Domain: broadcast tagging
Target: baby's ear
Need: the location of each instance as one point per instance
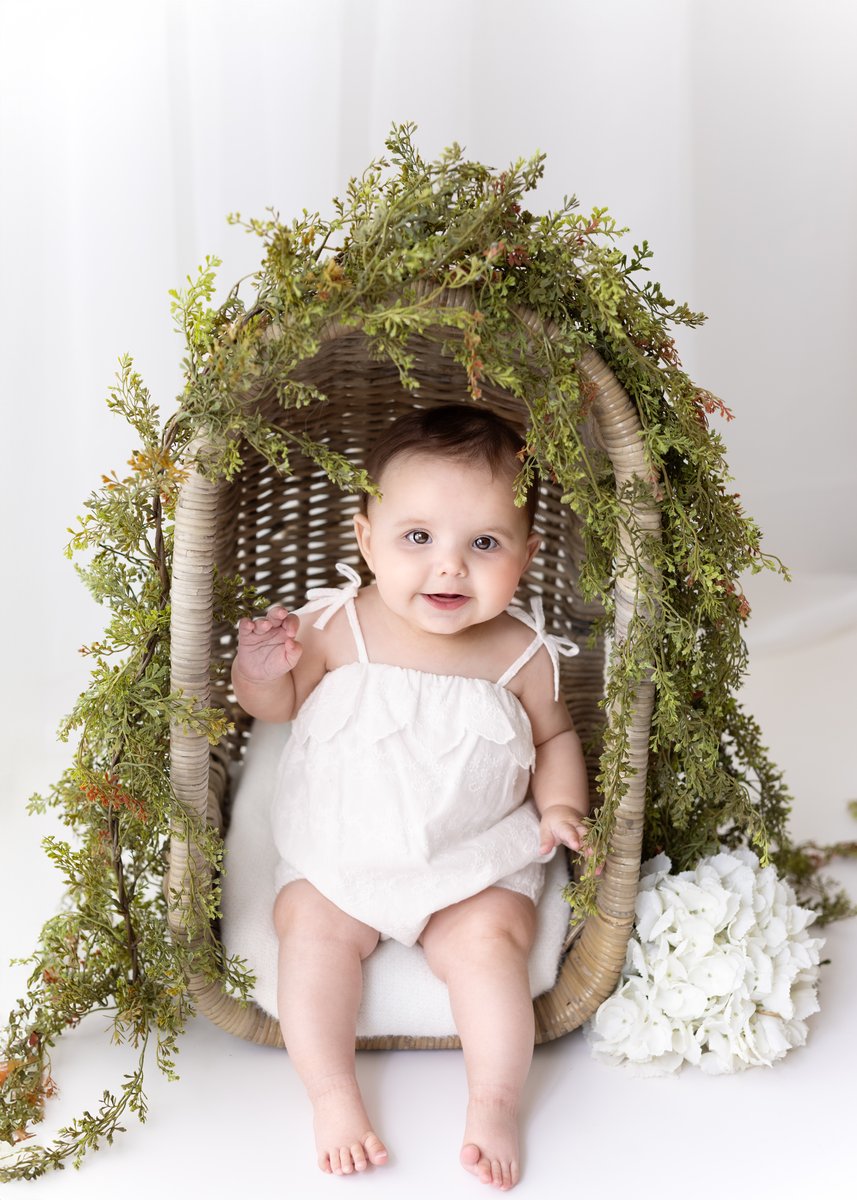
(534, 545)
(362, 530)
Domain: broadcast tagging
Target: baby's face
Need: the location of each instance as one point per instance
(447, 545)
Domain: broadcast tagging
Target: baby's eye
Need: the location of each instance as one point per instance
(485, 542)
(419, 537)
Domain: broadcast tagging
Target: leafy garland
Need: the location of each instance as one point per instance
(405, 230)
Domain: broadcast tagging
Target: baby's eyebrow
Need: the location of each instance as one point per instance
(411, 522)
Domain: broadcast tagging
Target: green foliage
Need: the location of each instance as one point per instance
(107, 952)
(405, 230)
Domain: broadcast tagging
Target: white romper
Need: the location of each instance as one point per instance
(400, 792)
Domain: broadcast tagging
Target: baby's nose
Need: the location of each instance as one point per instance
(451, 561)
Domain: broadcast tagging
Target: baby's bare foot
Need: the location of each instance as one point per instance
(343, 1137)
(490, 1150)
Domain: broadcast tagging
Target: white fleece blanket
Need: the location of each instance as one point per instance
(400, 994)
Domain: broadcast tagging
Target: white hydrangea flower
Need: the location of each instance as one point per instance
(720, 971)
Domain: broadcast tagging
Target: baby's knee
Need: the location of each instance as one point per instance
(518, 918)
(513, 931)
(498, 922)
(301, 911)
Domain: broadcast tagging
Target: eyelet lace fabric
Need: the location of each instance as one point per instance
(401, 792)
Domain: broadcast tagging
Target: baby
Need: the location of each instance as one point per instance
(426, 711)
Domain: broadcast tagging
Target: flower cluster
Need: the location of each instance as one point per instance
(720, 971)
(111, 795)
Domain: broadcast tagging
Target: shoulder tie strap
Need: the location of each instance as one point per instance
(331, 599)
(553, 643)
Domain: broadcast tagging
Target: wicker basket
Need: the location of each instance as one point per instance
(285, 535)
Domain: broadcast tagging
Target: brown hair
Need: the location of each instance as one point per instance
(475, 435)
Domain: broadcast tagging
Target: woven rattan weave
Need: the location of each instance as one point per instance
(284, 535)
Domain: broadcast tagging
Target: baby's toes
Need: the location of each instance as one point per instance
(475, 1161)
(470, 1156)
(348, 1159)
(375, 1148)
(504, 1175)
(336, 1161)
(358, 1157)
(496, 1173)
(336, 1167)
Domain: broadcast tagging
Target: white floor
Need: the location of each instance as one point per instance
(237, 1121)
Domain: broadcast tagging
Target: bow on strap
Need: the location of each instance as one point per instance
(553, 643)
(331, 599)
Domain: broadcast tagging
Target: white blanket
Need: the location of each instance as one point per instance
(400, 995)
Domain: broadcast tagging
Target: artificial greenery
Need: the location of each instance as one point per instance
(405, 229)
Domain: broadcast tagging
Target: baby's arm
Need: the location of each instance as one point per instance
(561, 790)
(560, 786)
(273, 672)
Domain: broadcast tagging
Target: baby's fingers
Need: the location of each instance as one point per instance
(559, 833)
(586, 851)
(292, 651)
(277, 614)
(547, 841)
(570, 834)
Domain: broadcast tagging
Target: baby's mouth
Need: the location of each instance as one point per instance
(445, 600)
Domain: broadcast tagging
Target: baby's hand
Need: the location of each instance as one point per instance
(561, 824)
(267, 648)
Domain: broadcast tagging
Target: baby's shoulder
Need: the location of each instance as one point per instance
(534, 677)
(332, 641)
(510, 639)
(512, 633)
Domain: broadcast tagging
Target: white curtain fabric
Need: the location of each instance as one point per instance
(720, 130)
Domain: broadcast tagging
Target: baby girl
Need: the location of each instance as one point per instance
(431, 770)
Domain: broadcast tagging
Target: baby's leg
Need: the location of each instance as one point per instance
(320, 984)
(480, 948)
